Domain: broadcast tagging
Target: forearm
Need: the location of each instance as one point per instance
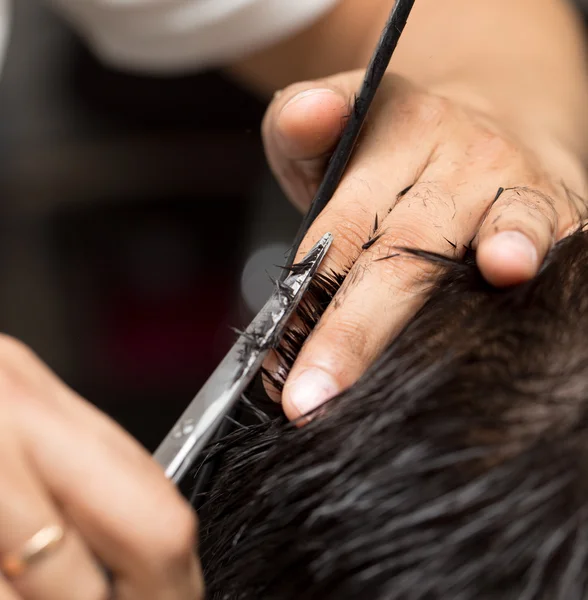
(524, 58)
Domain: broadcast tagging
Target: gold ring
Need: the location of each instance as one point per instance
(13, 564)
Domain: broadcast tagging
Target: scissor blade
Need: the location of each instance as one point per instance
(224, 387)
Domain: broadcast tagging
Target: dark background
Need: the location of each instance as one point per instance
(138, 222)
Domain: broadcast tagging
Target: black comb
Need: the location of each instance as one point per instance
(363, 101)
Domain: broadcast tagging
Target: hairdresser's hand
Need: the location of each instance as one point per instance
(425, 175)
(65, 464)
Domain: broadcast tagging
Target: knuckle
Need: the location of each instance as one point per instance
(11, 348)
(493, 150)
(350, 229)
(98, 590)
(405, 273)
(433, 199)
(416, 221)
(408, 235)
(15, 360)
(176, 540)
(349, 338)
(351, 236)
(535, 204)
(429, 109)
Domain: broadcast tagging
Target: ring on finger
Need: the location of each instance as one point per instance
(14, 564)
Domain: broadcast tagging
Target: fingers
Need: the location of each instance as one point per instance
(300, 129)
(386, 286)
(368, 189)
(108, 489)
(353, 330)
(6, 592)
(518, 231)
(68, 571)
(455, 158)
(383, 289)
(130, 515)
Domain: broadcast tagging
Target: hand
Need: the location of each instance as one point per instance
(64, 463)
(426, 174)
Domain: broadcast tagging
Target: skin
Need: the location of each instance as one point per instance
(116, 505)
(456, 126)
(477, 98)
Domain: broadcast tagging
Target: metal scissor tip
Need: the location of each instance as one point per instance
(224, 387)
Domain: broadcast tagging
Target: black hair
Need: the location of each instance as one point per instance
(455, 469)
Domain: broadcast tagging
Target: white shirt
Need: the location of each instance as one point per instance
(175, 35)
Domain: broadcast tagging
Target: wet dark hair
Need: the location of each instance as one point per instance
(455, 469)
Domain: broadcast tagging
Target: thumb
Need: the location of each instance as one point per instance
(300, 130)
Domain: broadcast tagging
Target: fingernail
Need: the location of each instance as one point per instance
(516, 243)
(312, 388)
(306, 94)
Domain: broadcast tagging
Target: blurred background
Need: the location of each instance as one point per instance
(138, 222)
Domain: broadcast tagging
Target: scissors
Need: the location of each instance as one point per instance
(196, 426)
(220, 394)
